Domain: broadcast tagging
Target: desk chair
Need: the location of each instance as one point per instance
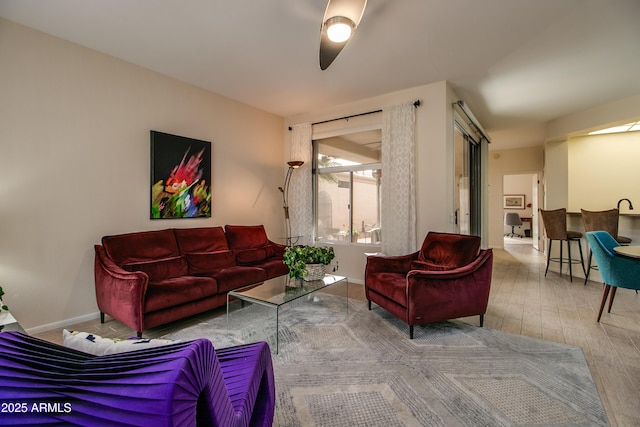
(601, 221)
(555, 226)
(617, 271)
(513, 220)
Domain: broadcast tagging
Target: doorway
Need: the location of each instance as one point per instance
(521, 196)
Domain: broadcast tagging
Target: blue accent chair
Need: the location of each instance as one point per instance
(617, 271)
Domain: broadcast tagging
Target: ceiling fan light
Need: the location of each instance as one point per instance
(339, 28)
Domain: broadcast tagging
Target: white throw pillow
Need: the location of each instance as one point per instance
(98, 346)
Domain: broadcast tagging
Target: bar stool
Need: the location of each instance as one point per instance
(555, 225)
(602, 221)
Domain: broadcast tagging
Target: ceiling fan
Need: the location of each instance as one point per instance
(341, 18)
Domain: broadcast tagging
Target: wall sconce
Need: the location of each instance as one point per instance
(293, 165)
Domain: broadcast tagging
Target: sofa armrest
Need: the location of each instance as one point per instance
(390, 264)
(278, 249)
(119, 293)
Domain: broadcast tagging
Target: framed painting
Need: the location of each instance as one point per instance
(514, 201)
(180, 177)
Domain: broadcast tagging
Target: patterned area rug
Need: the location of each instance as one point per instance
(360, 368)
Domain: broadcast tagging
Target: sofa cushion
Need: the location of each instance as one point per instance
(179, 290)
(238, 276)
(139, 247)
(199, 240)
(274, 267)
(160, 269)
(99, 346)
(250, 256)
(449, 250)
(246, 236)
(200, 263)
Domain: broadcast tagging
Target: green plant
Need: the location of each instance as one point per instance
(2, 306)
(297, 257)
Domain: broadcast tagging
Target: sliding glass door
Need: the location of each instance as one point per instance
(468, 197)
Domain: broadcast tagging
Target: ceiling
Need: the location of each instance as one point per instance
(516, 63)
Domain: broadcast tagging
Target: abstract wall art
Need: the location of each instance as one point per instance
(180, 177)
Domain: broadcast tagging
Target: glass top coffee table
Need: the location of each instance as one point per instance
(282, 290)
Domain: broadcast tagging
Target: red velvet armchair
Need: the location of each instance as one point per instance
(449, 277)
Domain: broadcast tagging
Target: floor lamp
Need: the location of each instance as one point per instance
(293, 165)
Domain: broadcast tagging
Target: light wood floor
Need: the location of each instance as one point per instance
(524, 302)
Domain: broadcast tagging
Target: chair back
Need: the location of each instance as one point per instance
(512, 219)
(602, 244)
(601, 221)
(555, 223)
(449, 249)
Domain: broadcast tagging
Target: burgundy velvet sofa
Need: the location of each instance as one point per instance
(151, 278)
(180, 384)
(449, 277)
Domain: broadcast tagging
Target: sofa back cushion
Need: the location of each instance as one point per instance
(200, 240)
(141, 247)
(447, 251)
(152, 252)
(207, 262)
(161, 269)
(246, 236)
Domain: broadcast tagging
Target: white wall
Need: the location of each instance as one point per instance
(433, 158)
(74, 165)
(603, 169)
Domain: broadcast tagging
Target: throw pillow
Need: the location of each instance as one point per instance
(98, 346)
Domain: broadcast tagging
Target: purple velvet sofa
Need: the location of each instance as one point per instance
(449, 277)
(181, 384)
(151, 278)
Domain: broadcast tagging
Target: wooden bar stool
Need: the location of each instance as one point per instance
(555, 225)
(601, 221)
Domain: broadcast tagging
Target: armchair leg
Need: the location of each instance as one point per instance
(101, 317)
(410, 332)
(369, 303)
(481, 320)
(613, 295)
(605, 294)
(139, 334)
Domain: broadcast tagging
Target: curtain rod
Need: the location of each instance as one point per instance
(415, 104)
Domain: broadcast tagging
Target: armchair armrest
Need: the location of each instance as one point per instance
(119, 293)
(390, 264)
(434, 296)
(466, 270)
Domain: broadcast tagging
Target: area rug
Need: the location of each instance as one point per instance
(355, 367)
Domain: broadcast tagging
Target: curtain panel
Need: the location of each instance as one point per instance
(398, 193)
(300, 187)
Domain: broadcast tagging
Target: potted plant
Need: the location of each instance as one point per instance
(2, 306)
(307, 262)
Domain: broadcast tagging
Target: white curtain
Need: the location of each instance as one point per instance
(398, 193)
(300, 187)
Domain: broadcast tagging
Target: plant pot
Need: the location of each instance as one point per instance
(314, 272)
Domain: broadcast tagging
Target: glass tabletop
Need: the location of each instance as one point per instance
(283, 289)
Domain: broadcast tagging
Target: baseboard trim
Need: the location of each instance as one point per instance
(63, 323)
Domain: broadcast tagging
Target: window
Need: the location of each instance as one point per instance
(348, 172)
